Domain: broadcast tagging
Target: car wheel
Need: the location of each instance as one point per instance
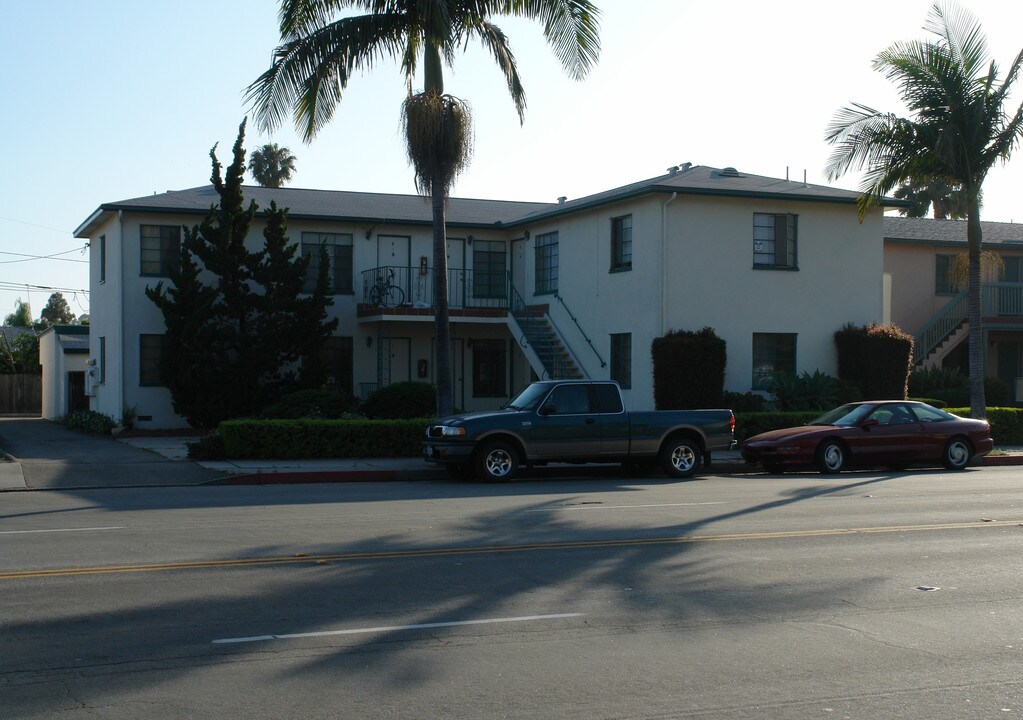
(957, 453)
(496, 462)
(680, 457)
(830, 457)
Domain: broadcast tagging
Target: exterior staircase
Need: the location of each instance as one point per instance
(941, 333)
(541, 343)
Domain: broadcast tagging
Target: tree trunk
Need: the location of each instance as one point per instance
(442, 328)
(974, 299)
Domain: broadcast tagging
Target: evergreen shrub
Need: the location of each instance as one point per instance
(689, 369)
(402, 400)
(877, 358)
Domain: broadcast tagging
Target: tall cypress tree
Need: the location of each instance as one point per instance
(236, 323)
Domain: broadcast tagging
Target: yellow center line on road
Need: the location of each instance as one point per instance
(482, 550)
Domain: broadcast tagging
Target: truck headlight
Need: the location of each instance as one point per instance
(447, 431)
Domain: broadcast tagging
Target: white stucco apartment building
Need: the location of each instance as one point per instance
(577, 287)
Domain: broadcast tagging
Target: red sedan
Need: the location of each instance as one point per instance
(890, 433)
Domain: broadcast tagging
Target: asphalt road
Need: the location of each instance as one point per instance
(893, 595)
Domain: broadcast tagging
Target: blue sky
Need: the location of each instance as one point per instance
(115, 99)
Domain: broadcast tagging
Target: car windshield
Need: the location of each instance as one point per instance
(844, 416)
(529, 398)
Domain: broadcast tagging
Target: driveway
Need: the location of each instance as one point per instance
(54, 458)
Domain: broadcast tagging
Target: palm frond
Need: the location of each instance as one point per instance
(438, 139)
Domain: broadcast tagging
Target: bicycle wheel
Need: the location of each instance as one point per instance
(393, 296)
(376, 296)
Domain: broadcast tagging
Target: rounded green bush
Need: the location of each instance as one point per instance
(402, 400)
(315, 403)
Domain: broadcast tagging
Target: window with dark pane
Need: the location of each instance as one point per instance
(339, 259)
(160, 248)
(772, 353)
(944, 283)
(621, 359)
(150, 357)
(621, 243)
(546, 251)
(489, 269)
(489, 368)
(774, 240)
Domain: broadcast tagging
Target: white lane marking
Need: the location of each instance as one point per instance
(626, 507)
(24, 532)
(394, 628)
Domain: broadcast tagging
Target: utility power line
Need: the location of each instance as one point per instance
(54, 256)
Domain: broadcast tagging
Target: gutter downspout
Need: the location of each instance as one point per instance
(120, 313)
(664, 264)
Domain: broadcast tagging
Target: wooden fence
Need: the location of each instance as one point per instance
(21, 394)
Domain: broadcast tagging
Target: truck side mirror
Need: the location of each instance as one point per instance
(547, 409)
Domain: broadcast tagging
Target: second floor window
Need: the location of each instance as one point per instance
(944, 282)
(160, 249)
(546, 249)
(621, 243)
(339, 259)
(774, 240)
(489, 269)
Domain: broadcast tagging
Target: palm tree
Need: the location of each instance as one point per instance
(959, 130)
(319, 54)
(272, 165)
(946, 200)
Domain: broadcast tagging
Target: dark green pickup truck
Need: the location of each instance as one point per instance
(575, 421)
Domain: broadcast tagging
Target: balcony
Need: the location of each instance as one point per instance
(406, 293)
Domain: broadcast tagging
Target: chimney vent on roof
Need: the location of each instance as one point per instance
(730, 172)
(684, 167)
(673, 170)
(562, 199)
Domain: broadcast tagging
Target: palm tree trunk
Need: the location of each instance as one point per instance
(974, 299)
(440, 299)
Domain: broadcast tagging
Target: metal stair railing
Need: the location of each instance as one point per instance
(583, 332)
(940, 326)
(534, 333)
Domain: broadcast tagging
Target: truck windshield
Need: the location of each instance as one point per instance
(529, 398)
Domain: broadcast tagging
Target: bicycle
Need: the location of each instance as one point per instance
(385, 293)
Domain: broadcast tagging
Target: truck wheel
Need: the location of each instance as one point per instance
(496, 462)
(680, 457)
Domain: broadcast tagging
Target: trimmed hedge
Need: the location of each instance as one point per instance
(1006, 423)
(749, 424)
(310, 438)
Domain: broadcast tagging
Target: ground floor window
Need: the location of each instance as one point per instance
(336, 357)
(621, 359)
(150, 357)
(772, 353)
(489, 368)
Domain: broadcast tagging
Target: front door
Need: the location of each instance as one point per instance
(76, 399)
(456, 272)
(394, 252)
(518, 265)
(397, 354)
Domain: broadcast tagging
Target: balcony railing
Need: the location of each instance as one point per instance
(392, 285)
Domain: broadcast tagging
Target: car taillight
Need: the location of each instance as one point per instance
(731, 424)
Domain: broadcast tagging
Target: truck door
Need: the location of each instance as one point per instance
(613, 420)
(565, 426)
